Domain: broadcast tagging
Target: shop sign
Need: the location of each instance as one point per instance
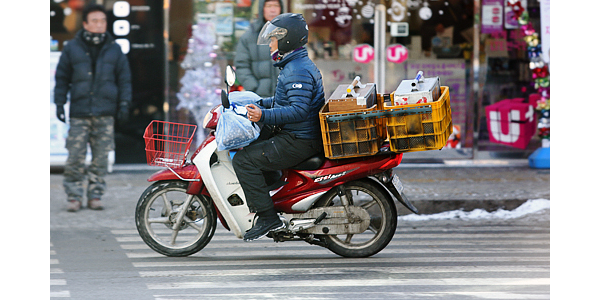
(363, 53)
(224, 18)
(511, 122)
(491, 16)
(396, 53)
(399, 29)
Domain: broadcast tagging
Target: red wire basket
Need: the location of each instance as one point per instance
(167, 144)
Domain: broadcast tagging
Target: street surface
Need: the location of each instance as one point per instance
(99, 255)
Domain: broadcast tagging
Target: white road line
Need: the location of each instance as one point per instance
(343, 270)
(482, 253)
(336, 260)
(351, 283)
(351, 295)
(273, 252)
(56, 282)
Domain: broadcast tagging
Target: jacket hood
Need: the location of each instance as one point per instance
(260, 20)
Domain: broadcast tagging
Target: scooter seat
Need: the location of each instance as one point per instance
(311, 163)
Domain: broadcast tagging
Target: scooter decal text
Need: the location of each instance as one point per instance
(329, 177)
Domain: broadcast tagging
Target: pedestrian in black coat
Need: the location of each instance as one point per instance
(95, 72)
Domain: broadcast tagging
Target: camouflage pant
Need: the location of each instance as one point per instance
(99, 133)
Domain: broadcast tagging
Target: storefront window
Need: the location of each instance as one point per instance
(507, 76)
(435, 37)
(198, 38)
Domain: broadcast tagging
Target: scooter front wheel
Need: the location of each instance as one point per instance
(157, 223)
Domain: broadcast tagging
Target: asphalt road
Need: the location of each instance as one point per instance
(431, 190)
(99, 255)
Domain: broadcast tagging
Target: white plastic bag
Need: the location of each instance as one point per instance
(234, 130)
(243, 98)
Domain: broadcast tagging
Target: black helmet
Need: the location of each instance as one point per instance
(289, 29)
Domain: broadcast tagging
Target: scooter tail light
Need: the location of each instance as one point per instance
(392, 163)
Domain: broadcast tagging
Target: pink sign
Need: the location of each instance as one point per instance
(491, 16)
(396, 53)
(363, 53)
(511, 122)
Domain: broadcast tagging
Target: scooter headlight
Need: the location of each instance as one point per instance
(212, 118)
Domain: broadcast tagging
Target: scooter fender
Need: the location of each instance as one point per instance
(188, 172)
(397, 193)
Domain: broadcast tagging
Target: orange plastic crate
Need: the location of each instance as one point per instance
(420, 131)
(350, 134)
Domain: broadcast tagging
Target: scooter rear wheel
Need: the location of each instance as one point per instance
(382, 225)
(156, 213)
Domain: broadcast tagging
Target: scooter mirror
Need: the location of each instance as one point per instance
(224, 99)
(229, 76)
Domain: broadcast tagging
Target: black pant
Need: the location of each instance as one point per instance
(281, 151)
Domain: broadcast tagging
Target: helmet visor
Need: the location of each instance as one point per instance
(269, 30)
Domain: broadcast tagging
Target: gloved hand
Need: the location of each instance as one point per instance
(60, 113)
(123, 113)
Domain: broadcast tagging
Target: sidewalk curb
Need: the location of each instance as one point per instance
(479, 163)
(429, 207)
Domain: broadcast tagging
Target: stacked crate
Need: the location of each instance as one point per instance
(349, 130)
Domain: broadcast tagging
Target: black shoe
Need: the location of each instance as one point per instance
(262, 227)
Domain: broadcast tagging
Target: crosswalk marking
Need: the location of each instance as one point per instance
(353, 295)
(350, 283)
(319, 252)
(486, 262)
(342, 270)
(57, 284)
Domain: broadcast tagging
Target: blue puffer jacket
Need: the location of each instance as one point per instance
(298, 98)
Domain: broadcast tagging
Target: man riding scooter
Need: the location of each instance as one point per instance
(293, 111)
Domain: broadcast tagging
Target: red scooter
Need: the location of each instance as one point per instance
(344, 205)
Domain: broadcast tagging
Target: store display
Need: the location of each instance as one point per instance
(540, 73)
(511, 122)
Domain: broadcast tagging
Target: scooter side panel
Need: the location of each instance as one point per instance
(231, 191)
(221, 182)
(333, 172)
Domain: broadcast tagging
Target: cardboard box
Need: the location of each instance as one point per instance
(357, 98)
(417, 91)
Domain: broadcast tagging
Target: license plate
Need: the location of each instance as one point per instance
(397, 184)
(402, 198)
